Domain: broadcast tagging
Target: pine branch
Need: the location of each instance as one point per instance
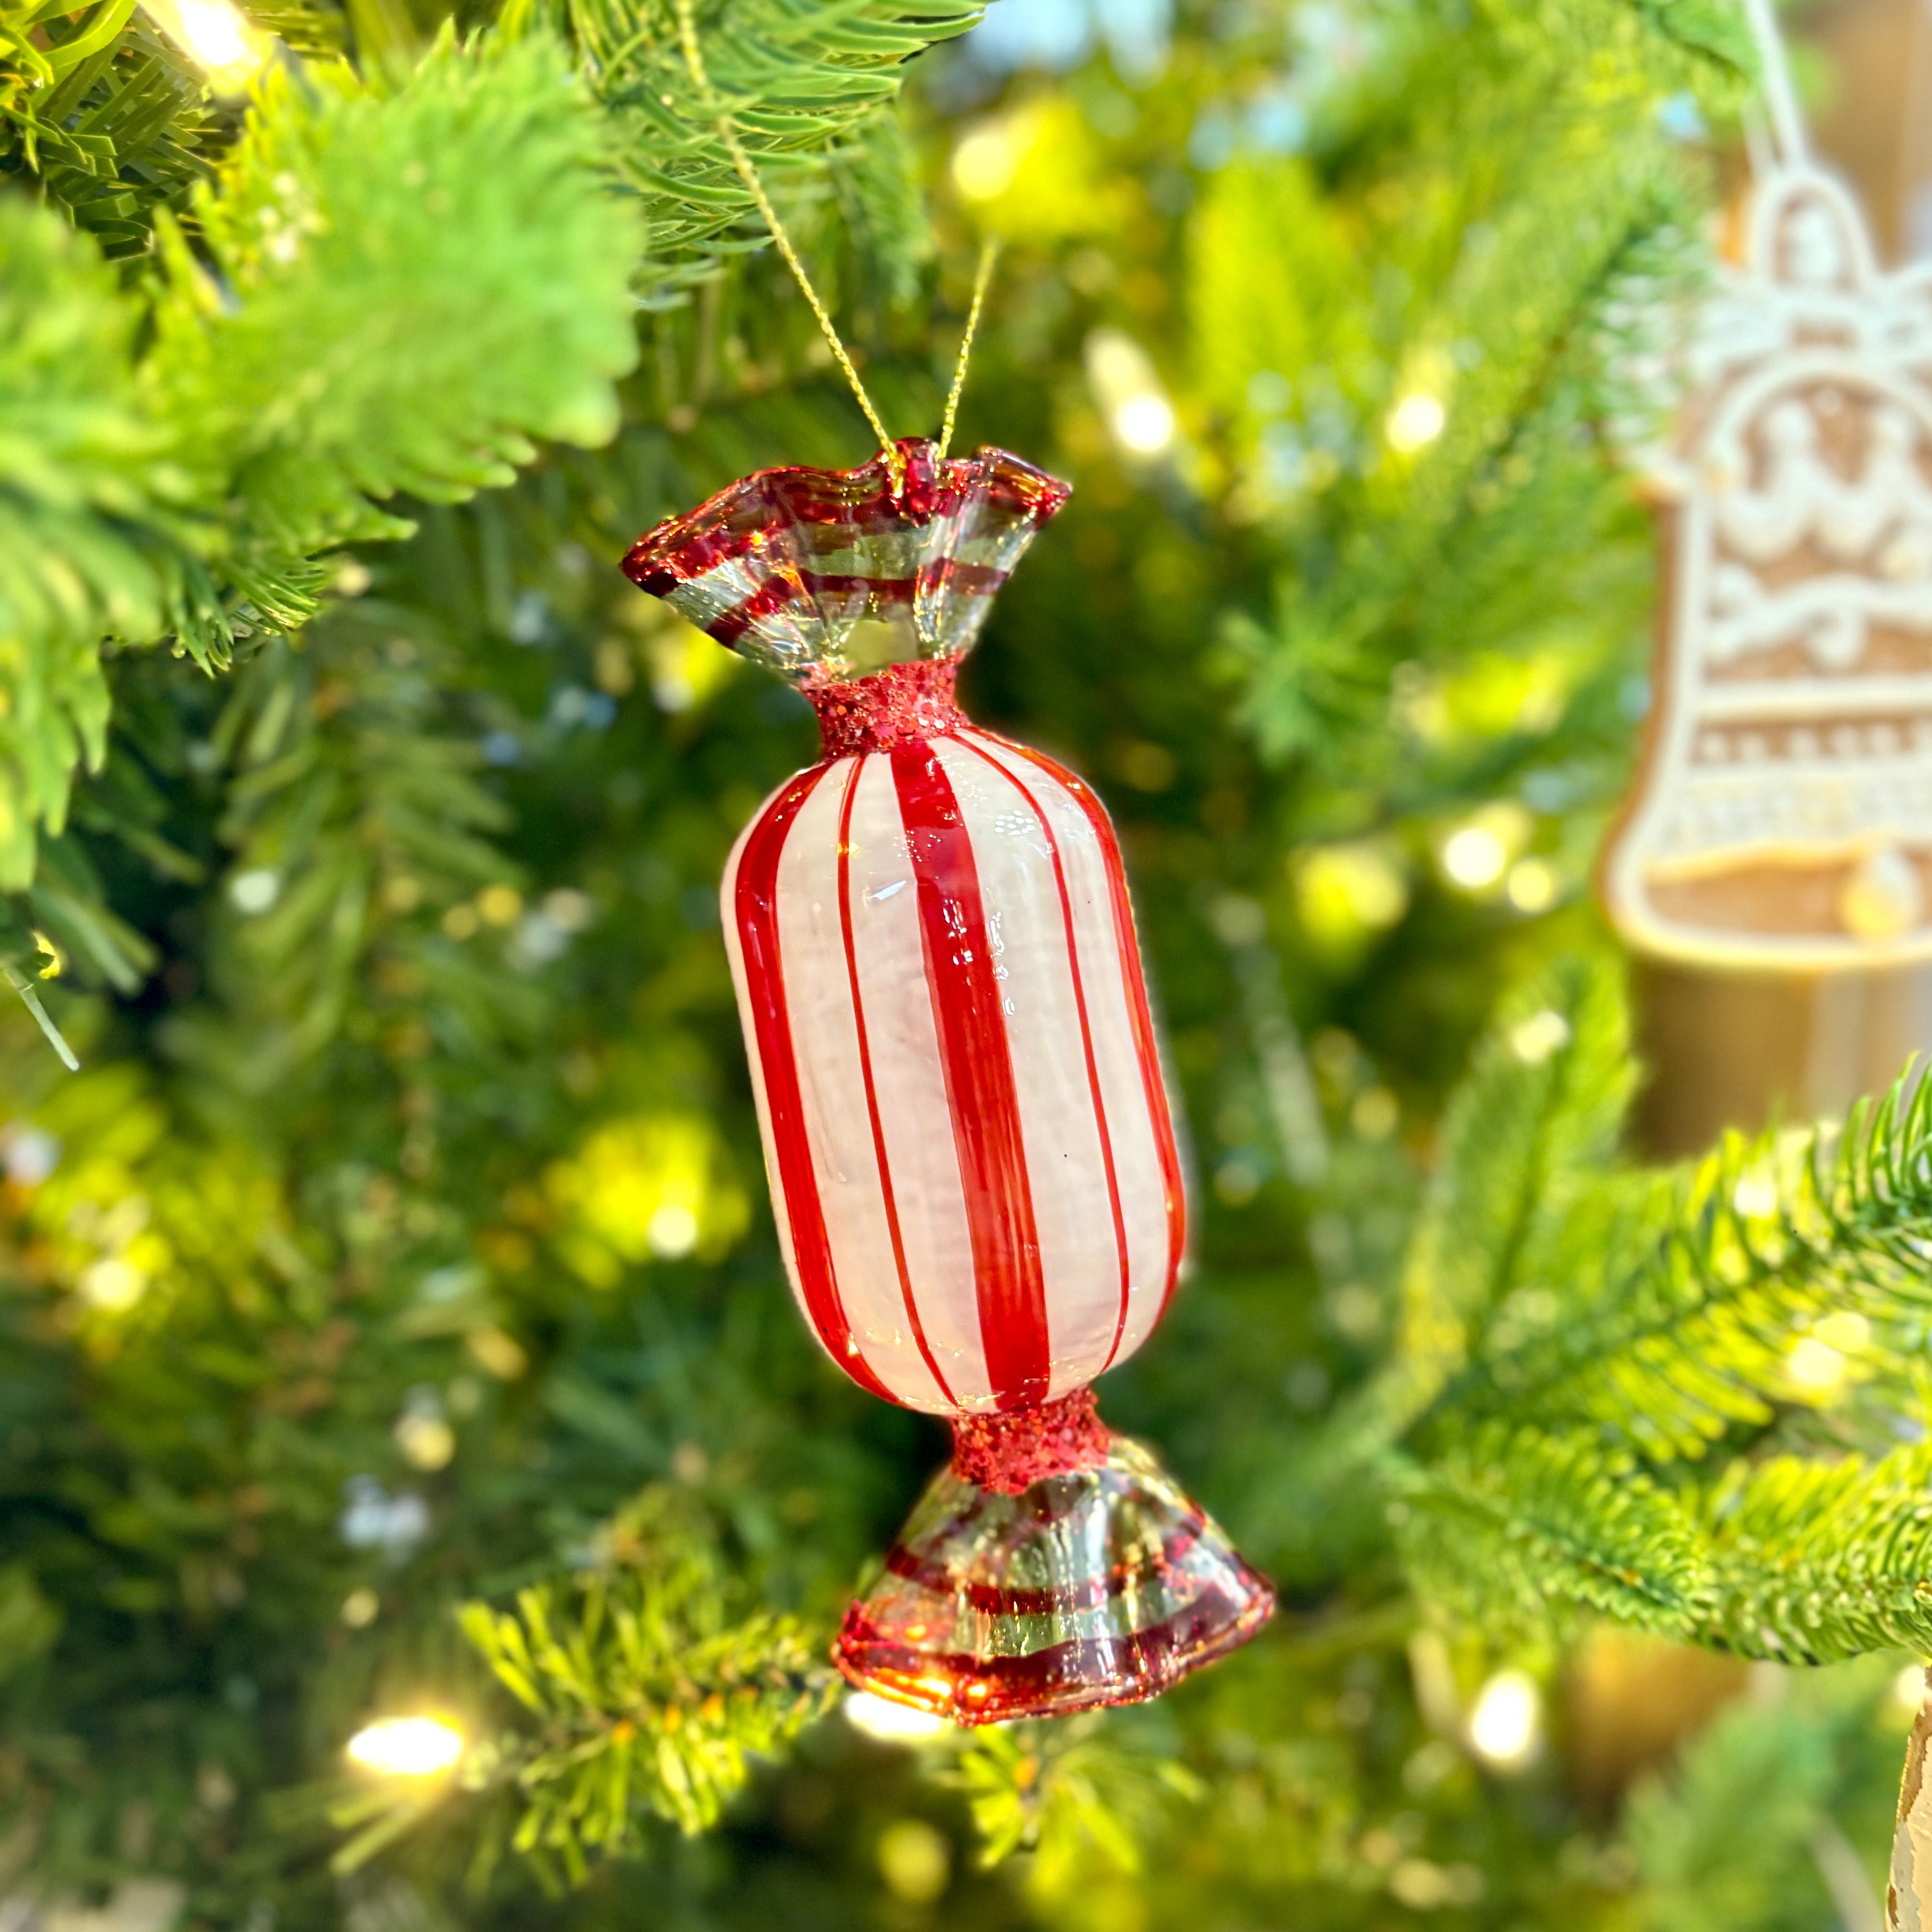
(1539, 1114)
(98, 520)
(416, 287)
(379, 341)
(113, 137)
(1726, 1841)
(1631, 1323)
(1402, 553)
(1072, 1792)
(355, 807)
(1815, 1561)
(1711, 31)
(1530, 1528)
(1526, 1143)
(1716, 1277)
(650, 1691)
(802, 82)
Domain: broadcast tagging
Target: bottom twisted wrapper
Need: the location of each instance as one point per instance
(1099, 1584)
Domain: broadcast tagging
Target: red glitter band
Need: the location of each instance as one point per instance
(902, 703)
(1010, 1452)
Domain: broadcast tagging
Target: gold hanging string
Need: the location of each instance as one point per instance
(694, 59)
(988, 254)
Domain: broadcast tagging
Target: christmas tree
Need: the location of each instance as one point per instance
(422, 1507)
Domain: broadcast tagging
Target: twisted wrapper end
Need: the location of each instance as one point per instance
(826, 575)
(1053, 1567)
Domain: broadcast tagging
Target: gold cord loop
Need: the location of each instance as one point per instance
(988, 254)
(694, 59)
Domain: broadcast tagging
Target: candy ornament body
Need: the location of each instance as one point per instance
(972, 1160)
(967, 1134)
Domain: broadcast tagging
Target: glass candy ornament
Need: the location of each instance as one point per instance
(966, 1133)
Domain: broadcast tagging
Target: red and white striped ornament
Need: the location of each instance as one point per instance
(971, 1153)
(969, 1141)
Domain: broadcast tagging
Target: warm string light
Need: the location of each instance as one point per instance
(1477, 855)
(1417, 420)
(219, 38)
(1505, 1726)
(891, 1723)
(1820, 1362)
(1128, 388)
(418, 1747)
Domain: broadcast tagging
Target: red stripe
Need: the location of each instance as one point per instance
(885, 1192)
(967, 1009)
(1053, 1600)
(772, 596)
(755, 903)
(1146, 1049)
(1086, 1042)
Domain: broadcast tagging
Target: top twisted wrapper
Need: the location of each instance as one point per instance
(826, 575)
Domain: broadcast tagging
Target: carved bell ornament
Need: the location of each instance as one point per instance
(1782, 815)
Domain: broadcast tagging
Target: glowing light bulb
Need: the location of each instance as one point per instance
(1128, 389)
(891, 1723)
(1847, 1329)
(217, 36)
(986, 162)
(1473, 857)
(1506, 1726)
(407, 1746)
(1417, 420)
(1815, 1365)
(672, 1231)
(1534, 1040)
(1908, 1686)
(428, 1440)
(1534, 885)
(113, 1284)
(1144, 425)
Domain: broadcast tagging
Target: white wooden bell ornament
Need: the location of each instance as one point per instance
(1782, 815)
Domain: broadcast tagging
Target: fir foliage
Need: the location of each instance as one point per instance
(109, 120)
(350, 1362)
(1419, 546)
(802, 86)
(360, 342)
(650, 1699)
(1555, 1411)
(1745, 1831)
(440, 329)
